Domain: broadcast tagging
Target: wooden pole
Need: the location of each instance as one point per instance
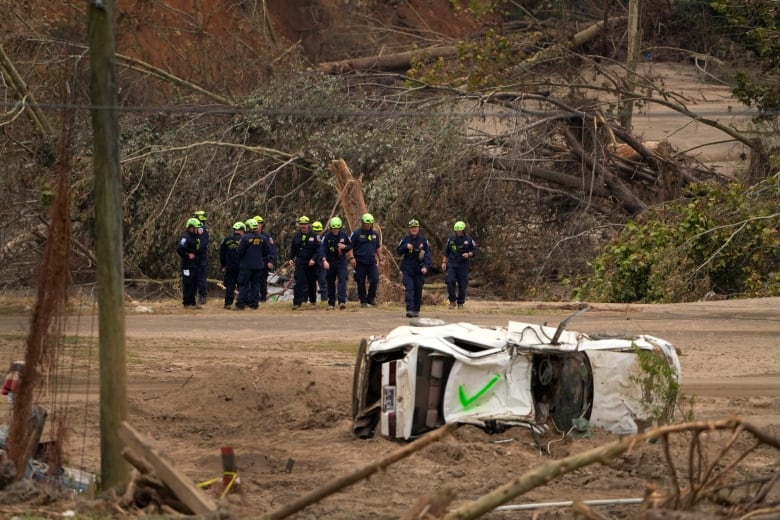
(115, 471)
(634, 40)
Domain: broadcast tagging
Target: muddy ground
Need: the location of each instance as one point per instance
(276, 386)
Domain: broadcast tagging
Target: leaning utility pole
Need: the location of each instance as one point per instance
(114, 470)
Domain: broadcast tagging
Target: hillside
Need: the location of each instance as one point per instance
(223, 106)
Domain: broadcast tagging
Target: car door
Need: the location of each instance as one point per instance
(492, 387)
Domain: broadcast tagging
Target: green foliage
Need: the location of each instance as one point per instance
(481, 10)
(765, 96)
(725, 240)
(487, 60)
(758, 22)
(660, 388)
(484, 63)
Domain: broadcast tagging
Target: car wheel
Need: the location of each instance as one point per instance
(357, 378)
(426, 322)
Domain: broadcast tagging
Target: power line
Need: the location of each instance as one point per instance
(221, 110)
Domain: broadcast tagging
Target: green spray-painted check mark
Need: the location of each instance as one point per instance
(468, 402)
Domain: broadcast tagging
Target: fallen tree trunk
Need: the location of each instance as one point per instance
(630, 202)
(350, 192)
(388, 62)
(580, 38)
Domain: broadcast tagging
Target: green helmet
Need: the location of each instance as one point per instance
(368, 218)
(200, 215)
(304, 220)
(414, 223)
(316, 226)
(335, 223)
(193, 222)
(459, 226)
(258, 219)
(251, 224)
(239, 225)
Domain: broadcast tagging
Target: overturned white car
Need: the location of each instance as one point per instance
(419, 377)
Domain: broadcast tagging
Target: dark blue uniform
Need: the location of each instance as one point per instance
(253, 250)
(201, 278)
(365, 247)
(304, 248)
(337, 265)
(412, 263)
(229, 261)
(273, 258)
(187, 247)
(322, 275)
(458, 265)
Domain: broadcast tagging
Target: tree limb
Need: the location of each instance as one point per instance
(20, 89)
(604, 454)
(629, 201)
(365, 472)
(388, 62)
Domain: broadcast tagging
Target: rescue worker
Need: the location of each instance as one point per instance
(273, 259)
(458, 252)
(366, 254)
(304, 248)
(415, 252)
(253, 251)
(333, 255)
(322, 282)
(187, 249)
(201, 279)
(229, 261)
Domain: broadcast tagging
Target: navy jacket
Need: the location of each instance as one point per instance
(228, 252)
(304, 247)
(274, 256)
(365, 245)
(456, 246)
(203, 252)
(188, 243)
(419, 257)
(329, 249)
(253, 250)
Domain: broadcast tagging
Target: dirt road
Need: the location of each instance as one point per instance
(276, 385)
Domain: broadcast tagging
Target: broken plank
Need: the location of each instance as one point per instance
(184, 489)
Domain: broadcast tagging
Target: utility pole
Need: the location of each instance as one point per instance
(114, 470)
(634, 41)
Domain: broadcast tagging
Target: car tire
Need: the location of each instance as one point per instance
(426, 322)
(357, 378)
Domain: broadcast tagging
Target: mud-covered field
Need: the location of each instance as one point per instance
(276, 385)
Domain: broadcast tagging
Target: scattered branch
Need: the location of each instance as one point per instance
(365, 472)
